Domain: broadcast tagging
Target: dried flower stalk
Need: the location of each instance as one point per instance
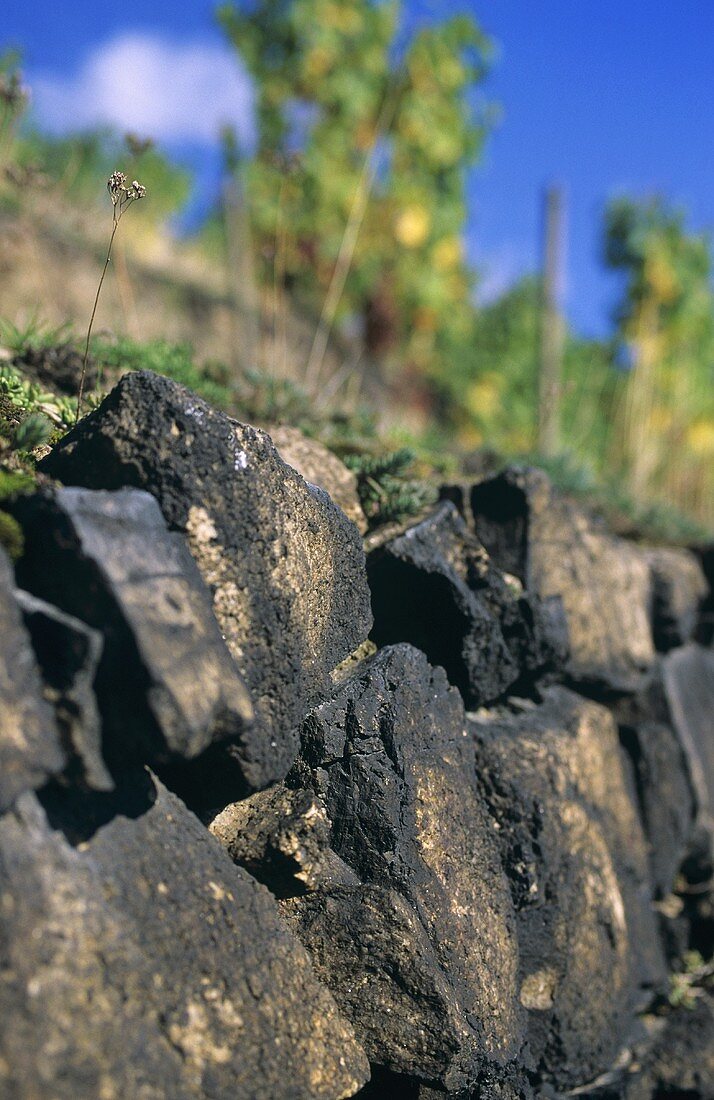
(122, 196)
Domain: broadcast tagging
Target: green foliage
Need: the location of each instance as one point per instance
(30, 398)
(252, 395)
(163, 357)
(11, 538)
(387, 489)
(34, 431)
(607, 497)
(34, 334)
(665, 333)
(500, 403)
(695, 978)
(80, 164)
(13, 482)
(356, 193)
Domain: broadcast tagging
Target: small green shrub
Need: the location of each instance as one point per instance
(29, 398)
(387, 489)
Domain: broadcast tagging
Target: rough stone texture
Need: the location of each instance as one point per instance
(166, 684)
(30, 747)
(705, 628)
(143, 965)
(421, 953)
(555, 549)
(572, 844)
(68, 653)
(678, 590)
(675, 1061)
(281, 836)
(434, 587)
(661, 772)
(688, 675)
(681, 1062)
(319, 466)
(285, 565)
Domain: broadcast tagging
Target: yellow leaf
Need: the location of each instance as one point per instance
(446, 253)
(412, 226)
(700, 438)
(483, 397)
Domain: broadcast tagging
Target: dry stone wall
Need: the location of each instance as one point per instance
(239, 858)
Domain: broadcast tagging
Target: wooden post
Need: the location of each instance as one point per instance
(552, 324)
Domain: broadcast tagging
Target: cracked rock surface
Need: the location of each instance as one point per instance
(284, 564)
(435, 587)
(421, 951)
(557, 783)
(166, 685)
(556, 550)
(141, 963)
(30, 747)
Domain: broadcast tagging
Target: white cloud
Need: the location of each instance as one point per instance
(172, 92)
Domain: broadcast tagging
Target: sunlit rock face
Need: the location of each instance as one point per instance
(413, 929)
(435, 586)
(30, 746)
(284, 564)
(138, 961)
(165, 682)
(556, 550)
(557, 783)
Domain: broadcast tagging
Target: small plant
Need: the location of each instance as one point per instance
(34, 335)
(387, 490)
(28, 398)
(122, 196)
(688, 985)
(34, 431)
(17, 441)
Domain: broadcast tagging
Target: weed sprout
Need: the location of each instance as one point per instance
(122, 195)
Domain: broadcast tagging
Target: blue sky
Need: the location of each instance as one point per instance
(601, 96)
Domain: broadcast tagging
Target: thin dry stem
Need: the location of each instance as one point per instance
(122, 197)
(91, 321)
(343, 264)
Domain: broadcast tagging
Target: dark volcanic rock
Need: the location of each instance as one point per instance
(688, 676)
(681, 1062)
(434, 586)
(662, 777)
(705, 628)
(556, 550)
(319, 466)
(30, 747)
(68, 652)
(678, 590)
(370, 947)
(572, 844)
(674, 1061)
(59, 366)
(166, 684)
(285, 565)
(280, 835)
(144, 964)
(421, 954)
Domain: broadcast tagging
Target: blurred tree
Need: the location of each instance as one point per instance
(502, 399)
(665, 330)
(357, 186)
(77, 166)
